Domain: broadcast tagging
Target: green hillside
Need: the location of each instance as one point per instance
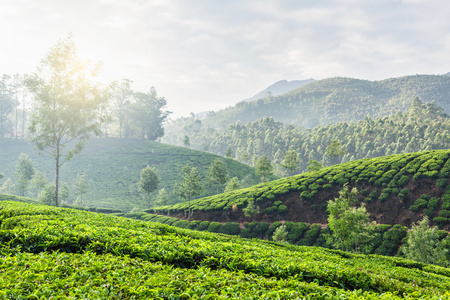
(422, 127)
(113, 166)
(397, 189)
(82, 255)
(325, 101)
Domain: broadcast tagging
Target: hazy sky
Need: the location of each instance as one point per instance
(208, 54)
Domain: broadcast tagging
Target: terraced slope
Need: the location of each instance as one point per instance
(113, 166)
(77, 254)
(397, 189)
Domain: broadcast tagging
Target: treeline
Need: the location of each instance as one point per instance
(126, 113)
(423, 127)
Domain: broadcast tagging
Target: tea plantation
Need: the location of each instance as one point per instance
(60, 253)
(113, 166)
(397, 189)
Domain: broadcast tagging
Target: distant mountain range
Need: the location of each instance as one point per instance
(279, 88)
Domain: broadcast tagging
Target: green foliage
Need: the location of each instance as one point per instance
(67, 106)
(148, 182)
(162, 199)
(264, 168)
(230, 228)
(81, 187)
(350, 225)
(442, 182)
(233, 184)
(282, 209)
(190, 185)
(291, 162)
(280, 234)
(24, 173)
(391, 240)
(214, 227)
(167, 262)
(218, 173)
(251, 210)
(334, 151)
(423, 244)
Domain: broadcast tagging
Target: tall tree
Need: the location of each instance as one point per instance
(350, 225)
(149, 114)
(218, 173)
(148, 182)
(38, 182)
(291, 162)
(6, 105)
(122, 97)
(334, 151)
(264, 168)
(189, 186)
(81, 187)
(162, 198)
(24, 172)
(233, 184)
(67, 104)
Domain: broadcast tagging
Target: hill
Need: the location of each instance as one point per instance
(397, 189)
(113, 166)
(77, 254)
(279, 88)
(422, 127)
(322, 102)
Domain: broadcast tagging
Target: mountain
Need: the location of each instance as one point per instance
(326, 101)
(280, 87)
(83, 255)
(113, 167)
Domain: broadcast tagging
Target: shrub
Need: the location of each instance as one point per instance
(310, 236)
(270, 210)
(181, 223)
(193, 225)
(383, 197)
(296, 232)
(428, 212)
(403, 180)
(444, 213)
(246, 233)
(230, 228)
(260, 229)
(276, 203)
(203, 226)
(391, 240)
(442, 183)
(440, 221)
(282, 209)
(272, 228)
(433, 203)
(214, 227)
(403, 193)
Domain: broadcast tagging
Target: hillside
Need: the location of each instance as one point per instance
(79, 254)
(422, 127)
(325, 101)
(397, 189)
(113, 167)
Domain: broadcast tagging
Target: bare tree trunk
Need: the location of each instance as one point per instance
(57, 175)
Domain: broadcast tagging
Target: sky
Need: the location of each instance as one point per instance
(204, 55)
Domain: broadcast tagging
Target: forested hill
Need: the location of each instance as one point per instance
(326, 101)
(422, 127)
(113, 167)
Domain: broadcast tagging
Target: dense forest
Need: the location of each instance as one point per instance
(422, 127)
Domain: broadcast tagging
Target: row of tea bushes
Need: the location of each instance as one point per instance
(386, 240)
(64, 253)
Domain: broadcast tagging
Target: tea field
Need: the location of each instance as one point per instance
(397, 189)
(62, 253)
